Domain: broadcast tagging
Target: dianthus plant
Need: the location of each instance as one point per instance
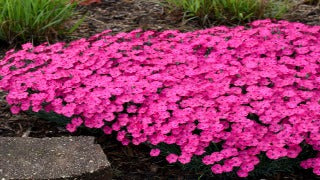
(253, 89)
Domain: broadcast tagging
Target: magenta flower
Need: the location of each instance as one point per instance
(172, 158)
(251, 89)
(154, 152)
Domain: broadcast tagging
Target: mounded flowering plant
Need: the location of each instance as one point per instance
(254, 90)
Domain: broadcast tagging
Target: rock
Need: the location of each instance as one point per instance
(52, 158)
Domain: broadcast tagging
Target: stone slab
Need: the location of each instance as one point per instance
(52, 158)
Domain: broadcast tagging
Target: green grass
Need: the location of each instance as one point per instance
(228, 11)
(33, 20)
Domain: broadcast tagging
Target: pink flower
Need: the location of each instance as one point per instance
(154, 152)
(217, 169)
(252, 90)
(107, 130)
(15, 109)
(172, 158)
(242, 173)
(77, 121)
(71, 128)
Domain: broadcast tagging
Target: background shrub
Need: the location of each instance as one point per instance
(26, 20)
(228, 11)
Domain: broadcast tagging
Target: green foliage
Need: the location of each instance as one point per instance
(268, 167)
(51, 117)
(228, 11)
(25, 20)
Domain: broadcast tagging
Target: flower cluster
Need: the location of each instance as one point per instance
(251, 89)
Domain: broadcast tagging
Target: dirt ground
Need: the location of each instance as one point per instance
(128, 162)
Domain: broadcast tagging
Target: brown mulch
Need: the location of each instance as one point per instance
(127, 15)
(128, 162)
(305, 13)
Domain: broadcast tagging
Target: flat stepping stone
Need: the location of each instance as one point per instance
(52, 158)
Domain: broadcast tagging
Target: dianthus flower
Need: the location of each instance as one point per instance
(253, 90)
